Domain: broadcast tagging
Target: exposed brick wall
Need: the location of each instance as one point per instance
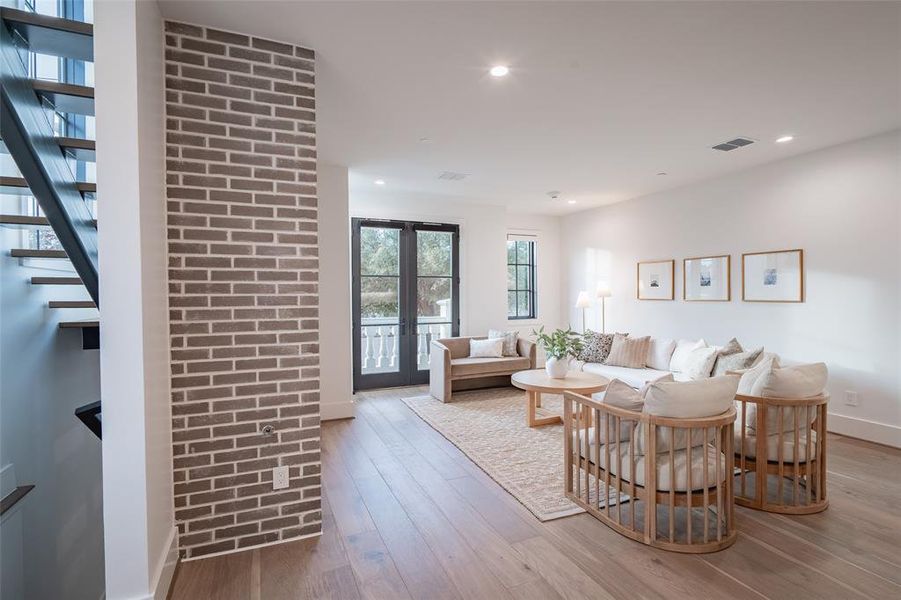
(243, 271)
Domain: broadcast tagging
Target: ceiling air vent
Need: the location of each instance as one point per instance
(451, 176)
(733, 144)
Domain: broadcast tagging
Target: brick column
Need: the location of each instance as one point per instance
(243, 271)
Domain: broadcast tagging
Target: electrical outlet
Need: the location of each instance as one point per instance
(851, 398)
(279, 478)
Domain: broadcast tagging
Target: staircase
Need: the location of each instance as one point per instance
(42, 128)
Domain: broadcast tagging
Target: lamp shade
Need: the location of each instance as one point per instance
(603, 290)
(583, 301)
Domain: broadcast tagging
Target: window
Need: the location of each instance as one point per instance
(521, 277)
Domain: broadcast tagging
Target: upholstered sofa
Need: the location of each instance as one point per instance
(451, 368)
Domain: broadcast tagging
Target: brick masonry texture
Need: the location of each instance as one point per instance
(243, 288)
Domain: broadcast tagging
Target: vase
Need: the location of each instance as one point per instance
(557, 367)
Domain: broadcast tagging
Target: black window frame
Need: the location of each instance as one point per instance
(531, 291)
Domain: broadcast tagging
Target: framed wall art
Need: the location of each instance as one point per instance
(656, 280)
(707, 279)
(776, 276)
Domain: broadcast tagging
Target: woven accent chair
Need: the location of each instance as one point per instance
(676, 472)
(780, 453)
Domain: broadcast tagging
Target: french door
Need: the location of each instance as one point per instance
(406, 281)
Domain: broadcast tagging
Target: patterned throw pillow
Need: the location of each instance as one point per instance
(595, 346)
(735, 362)
(509, 338)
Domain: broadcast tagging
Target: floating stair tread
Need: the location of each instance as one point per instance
(71, 304)
(84, 150)
(79, 324)
(56, 281)
(66, 97)
(52, 35)
(29, 221)
(18, 185)
(23, 220)
(25, 253)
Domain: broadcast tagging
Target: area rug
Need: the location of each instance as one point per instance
(489, 426)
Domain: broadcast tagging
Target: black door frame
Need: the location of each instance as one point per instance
(408, 372)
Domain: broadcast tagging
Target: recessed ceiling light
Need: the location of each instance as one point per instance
(570, 201)
(499, 70)
(784, 139)
(661, 173)
(379, 182)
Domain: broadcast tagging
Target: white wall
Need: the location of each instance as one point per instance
(335, 354)
(483, 262)
(134, 354)
(841, 205)
(55, 534)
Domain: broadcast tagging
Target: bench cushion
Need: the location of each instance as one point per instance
(461, 367)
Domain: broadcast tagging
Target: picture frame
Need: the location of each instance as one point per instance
(656, 280)
(707, 278)
(774, 276)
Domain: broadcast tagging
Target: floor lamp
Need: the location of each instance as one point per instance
(603, 292)
(583, 302)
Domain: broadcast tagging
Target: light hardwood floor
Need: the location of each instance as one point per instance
(407, 515)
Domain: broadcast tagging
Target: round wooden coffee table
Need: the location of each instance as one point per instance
(536, 382)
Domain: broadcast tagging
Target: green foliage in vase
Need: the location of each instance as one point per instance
(560, 343)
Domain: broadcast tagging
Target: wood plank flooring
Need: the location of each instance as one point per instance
(407, 515)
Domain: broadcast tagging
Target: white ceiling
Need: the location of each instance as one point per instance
(600, 97)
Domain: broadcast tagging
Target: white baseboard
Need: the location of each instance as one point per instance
(329, 411)
(881, 433)
(166, 568)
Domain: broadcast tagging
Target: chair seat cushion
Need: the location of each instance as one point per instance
(488, 366)
(680, 466)
(772, 445)
(634, 377)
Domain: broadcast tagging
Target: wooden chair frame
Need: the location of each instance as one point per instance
(582, 467)
(809, 473)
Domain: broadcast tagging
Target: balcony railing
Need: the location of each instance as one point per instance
(380, 341)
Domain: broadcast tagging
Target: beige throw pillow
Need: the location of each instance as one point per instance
(769, 381)
(688, 400)
(621, 395)
(629, 352)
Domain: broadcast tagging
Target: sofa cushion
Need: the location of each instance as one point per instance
(716, 465)
(509, 338)
(660, 353)
(486, 348)
(488, 366)
(772, 445)
(634, 377)
(681, 352)
(629, 352)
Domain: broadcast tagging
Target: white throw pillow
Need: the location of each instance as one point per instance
(699, 363)
(660, 353)
(509, 338)
(800, 381)
(686, 400)
(680, 353)
(749, 378)
(486, 348)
